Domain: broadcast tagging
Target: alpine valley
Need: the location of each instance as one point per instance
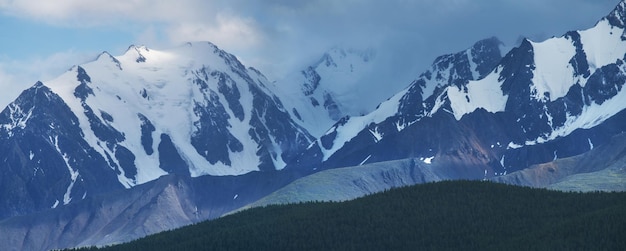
(130, 145)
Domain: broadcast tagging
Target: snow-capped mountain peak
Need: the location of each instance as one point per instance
(172, 89)
(193, 110)
(541, 101)
(330, 88)
(411, 104)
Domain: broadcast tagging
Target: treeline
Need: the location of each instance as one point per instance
(451, 215)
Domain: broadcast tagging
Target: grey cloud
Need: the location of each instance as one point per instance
(276, 35)
(411, 33)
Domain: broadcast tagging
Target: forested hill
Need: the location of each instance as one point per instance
(452, 215)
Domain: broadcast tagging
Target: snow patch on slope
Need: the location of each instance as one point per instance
(428, 160)
(485, 93)
(603, 44)
(67, 197)
(18, 118)
(355, 124)
(553, 73)
(590, 117)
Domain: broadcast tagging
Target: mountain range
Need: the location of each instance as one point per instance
(130, 145)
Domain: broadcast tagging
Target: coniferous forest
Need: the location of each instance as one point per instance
(450, 215)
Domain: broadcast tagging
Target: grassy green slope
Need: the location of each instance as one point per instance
(348, 183)
(453, 215)
(612, 178)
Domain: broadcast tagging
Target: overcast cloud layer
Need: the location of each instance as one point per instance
(279, 36)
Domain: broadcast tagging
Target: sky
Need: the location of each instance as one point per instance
(42, 39)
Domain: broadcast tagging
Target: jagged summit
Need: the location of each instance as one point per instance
(137, 47)
(419, 100)
(106, 56)
(191, 51)
(458, 68)
(342, 82)
(338, 53)
(617, 17)
(137, 52)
